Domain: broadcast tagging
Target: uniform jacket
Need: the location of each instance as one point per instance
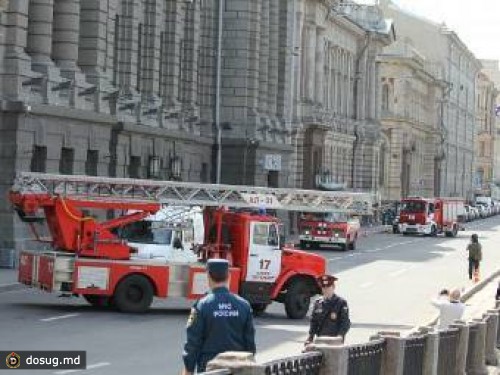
(330, 317)
(475, 252)
(219, 322)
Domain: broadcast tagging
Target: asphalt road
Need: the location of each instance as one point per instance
(388, 282)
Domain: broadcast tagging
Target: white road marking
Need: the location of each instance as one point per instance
(89, 367)
(334, 259)
(372, 251)
(367, 285)
(401, 271)
(59, 317)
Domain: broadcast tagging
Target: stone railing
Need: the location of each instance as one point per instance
(463, 348)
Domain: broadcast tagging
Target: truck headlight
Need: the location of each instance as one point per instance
(336, 235)
(306, 232)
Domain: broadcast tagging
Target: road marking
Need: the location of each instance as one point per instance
(89, 367)
(373, 251)
(334, 259)
(401, 271)
(367, 285)
(59, 317)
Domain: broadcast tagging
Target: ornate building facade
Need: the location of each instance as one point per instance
(457, 67)
(486, 132)
(337, 136)
(131, 88)
(410, 105)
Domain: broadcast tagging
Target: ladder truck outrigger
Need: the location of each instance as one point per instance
(88, 258)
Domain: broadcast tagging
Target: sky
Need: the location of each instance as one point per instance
(477, 22)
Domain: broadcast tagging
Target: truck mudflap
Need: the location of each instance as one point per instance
(49, 271)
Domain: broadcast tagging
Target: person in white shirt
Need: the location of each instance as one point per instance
(450, 308)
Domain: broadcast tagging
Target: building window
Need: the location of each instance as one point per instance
(92, 162)
(134, 168)
(481, 149)
(204, 172)
(273, 179)
(39, 159)
(385, 97)
(66, 161)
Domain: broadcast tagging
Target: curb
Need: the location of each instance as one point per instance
(467, 295)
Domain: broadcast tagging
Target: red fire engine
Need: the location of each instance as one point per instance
(431, 216)
(331, 229)
(90, 259)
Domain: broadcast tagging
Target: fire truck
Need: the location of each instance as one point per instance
(431, 216)
(330, 229)
(87, 256)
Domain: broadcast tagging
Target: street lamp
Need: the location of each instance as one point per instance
(175, 168)
(154, 166)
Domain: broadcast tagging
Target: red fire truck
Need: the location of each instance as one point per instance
(89, 258)
(330, 229)
(431, 216)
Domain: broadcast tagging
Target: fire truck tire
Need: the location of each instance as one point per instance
(434, 231)
(99, 301)
(134, 294)
(259, 308)
(297, 299)
(352, 245)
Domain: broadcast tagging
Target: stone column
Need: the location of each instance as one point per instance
(98, 42)
(491, 337)
(393, 355)
(171, 70)
(309, 80)
(264, 58)
(65, 47)
(150, 80)
(431, 351)
(476, 364)
(462, 347)
(274, 51)
(335, 355)
(17, 64)
(190, 61)
(40, 25)
(319, 74)
(298, 47)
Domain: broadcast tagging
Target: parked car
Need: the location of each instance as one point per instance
(483, 212)
(468, 213)
(474, 213)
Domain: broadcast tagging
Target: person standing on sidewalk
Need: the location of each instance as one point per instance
(219, 322)
(450, 308)
(475, 255)
(330, 315)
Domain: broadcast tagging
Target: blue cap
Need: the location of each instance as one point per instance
(218, 266)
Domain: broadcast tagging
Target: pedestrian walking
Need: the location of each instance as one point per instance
(475, 255)
(330, 314)
(219, 322)
(450, 308)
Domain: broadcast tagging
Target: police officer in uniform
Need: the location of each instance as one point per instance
(330, 315)
(219, 322)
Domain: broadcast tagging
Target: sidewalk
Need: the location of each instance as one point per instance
(8, 280)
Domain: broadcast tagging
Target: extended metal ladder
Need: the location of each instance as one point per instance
(191, 194)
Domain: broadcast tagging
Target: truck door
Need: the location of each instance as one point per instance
(264, 253)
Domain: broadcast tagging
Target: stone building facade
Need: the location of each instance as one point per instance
(492, 69)
(336, 137)
(486, 132)
(129, 88)
(411, 124)
(453, 63)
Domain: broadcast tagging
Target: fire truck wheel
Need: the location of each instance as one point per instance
(259, 308)
(99, 301)
(434, 231)
(352, 245)
(134, 294)
(297, 300)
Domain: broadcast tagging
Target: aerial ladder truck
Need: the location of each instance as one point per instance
(87, 257)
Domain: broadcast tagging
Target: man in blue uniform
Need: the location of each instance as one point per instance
(330, 315)
(219, 322)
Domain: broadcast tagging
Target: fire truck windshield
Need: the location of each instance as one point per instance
(330, 217)
(413, 206)
(146, 232)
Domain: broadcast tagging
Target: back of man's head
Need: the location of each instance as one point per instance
(455, 295)
(218, 270)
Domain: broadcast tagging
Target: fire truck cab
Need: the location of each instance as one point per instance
(431, 216)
